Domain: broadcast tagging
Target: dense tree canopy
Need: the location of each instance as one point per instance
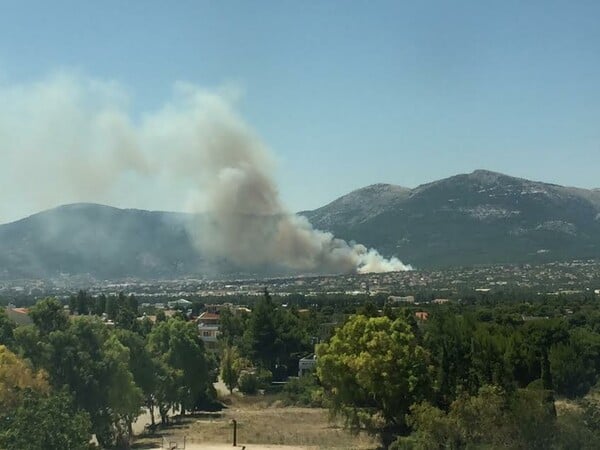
(480, 373)
(374, 369)
(46, 422)
(16, 377)
(178, 347)
(7, 327)
(108, 373)
(274, 338)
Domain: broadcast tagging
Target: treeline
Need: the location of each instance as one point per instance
(492, 371)
(95, 376)
(467, 377)
(271, 339)
(66, 378)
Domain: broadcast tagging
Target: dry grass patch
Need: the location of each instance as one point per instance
(262, 422)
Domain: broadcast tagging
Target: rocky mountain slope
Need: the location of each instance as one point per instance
(478, 218)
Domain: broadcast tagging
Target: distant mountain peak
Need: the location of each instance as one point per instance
(486, 172)
(480, 217)
(380, 187)
(483, 174)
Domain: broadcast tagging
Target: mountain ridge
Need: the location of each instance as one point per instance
(482, 217)
(476, 218)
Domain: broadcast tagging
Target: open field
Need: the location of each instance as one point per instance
(244, 447)
(261, 426)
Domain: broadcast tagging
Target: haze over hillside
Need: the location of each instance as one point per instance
(478, 218)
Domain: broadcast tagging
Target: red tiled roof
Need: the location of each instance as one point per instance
(208, 316)
(422, 315)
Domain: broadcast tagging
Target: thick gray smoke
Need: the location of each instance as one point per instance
(76, 139)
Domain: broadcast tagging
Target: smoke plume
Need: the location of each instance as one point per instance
(69, 138)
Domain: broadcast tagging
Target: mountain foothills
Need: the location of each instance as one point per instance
(102, 241)
(478, 218)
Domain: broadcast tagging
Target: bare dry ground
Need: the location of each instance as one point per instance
(262, 425)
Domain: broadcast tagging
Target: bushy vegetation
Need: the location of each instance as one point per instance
(472, 376)
(85, 377)
(303, 391)
(248, 383)
(511, 370)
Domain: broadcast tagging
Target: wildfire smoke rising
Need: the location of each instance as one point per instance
(79, 130)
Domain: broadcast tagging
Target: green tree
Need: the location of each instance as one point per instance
(161, 316)
(111, 307)
(72, 304)
(83, 303)
(181, 351)
(493, 418)
(388, 311)
(30, 344)
(123, 396)
(521, 360)
(7, 327)
(488, 362)
(45, 422)
(132, 304)
(48, 315)
(143, 366)
(88, 360)
(449, 339)
(261, 334)
(99, 305)
(373, 370)
(16, 376)
(231, 367)
(368, 309)
(167, 393)
(274, 338)
(231, 326)
(248, 383)
(575, 365)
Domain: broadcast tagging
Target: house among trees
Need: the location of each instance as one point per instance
(209, 329)
(422, 315)
(307, 364)
(179, 304)
(395, 299)
(19, 315)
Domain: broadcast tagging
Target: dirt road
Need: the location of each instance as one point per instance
(240, 447)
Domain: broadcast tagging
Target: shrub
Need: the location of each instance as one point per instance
(303, 391)
(248, 383)
(264, 378)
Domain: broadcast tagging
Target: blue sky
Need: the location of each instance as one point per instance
(349, 93)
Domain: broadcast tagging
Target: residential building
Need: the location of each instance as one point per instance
(422, 315)
(179, 304)
(19, 315)
(398, 299)
(209, 329)
(307, 364)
